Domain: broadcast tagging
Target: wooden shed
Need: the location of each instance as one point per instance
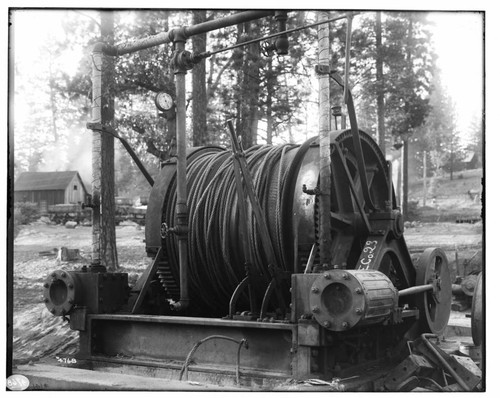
(49, 188)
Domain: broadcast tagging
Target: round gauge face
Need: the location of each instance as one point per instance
(164, 101)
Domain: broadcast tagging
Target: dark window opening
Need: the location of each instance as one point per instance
(75, 187)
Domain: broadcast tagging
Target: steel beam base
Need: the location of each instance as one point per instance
(163, 343)
(158, 346)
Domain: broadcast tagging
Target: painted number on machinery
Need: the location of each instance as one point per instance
(66, 360)
(368, 255)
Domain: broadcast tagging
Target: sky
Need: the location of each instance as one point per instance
(458, 38)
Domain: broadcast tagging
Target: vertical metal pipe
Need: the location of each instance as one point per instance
(97, 56)
(424, 201)
(325, 239)
(181, 207)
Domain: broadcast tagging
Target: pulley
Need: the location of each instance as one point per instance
(434, 304)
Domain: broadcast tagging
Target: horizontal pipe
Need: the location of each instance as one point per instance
(224, 22)
(415, 290)
(168, 37)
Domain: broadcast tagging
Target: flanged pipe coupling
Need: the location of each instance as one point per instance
(343, 299)
(60, 290)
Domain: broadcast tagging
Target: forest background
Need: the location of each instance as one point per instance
(399, 72)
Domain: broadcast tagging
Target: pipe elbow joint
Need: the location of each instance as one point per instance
(178, 35)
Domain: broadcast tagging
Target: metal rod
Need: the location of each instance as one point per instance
(310, 260)
(99, 128)
(354, 192)
(97, 55)
(181, 207)
(271, 36)
(145, 287)
(250, 191)
(325, 237)
(347, 56)
(443, 362)
(238, 178)
(390, 203)
(415, 290)
(358, 150)
(136, 160)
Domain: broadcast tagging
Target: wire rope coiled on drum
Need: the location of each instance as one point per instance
(215, 246)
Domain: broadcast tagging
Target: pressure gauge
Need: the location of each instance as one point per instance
(164, 101)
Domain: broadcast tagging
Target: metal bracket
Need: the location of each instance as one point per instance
(322, 69)
(184, 61)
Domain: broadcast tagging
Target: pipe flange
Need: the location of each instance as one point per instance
(59, 292)
(337, 300)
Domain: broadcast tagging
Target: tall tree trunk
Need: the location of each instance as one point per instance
(53, 105)
(109, 255)
(380, 83)
(200, 135)
(409, 71)
(250, 89)
(270, 85)
(452, 155)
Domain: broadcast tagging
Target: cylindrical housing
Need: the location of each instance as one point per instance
(98, 292)
(220, 253)
(342, 299)
(61, 292)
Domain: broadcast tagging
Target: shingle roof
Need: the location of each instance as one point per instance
(41, 181)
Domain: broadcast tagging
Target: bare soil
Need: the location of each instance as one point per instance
(38, 334)
(446, 200)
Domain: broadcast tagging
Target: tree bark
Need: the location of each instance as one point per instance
(200, 134)
(271, 89)
(250, 89)
(53, 106)
(324, 206)
(109, 255)
(380, 83)
(409, 71)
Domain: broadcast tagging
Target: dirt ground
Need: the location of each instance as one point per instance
(38, 334)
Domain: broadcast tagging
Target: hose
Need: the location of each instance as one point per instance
(241, 343)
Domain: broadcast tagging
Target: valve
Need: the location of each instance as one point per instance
(183, 61)
(281, 43)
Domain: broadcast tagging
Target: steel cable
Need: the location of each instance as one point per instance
(216, 259)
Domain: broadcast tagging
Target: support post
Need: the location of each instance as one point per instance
(425, 178)
(97, 55)
(181, 138)
(404, 203)
(325, 239)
